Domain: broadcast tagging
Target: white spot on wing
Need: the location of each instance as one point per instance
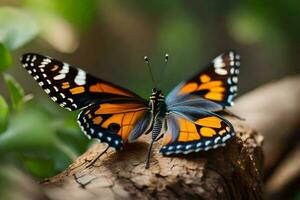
(235, 79)
(59, 77)
(217, 139)
(62, 95)
(231, 55)
(207, 143)
(80, 78)
(218, 62)
(225, 138)
(47, 91)
(221, 71)
(199, 144)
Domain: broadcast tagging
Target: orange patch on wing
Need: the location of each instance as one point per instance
(116, 118)
(183, 136)
(204, 78)
(210, 85)
(217, 89)
(193, 136)
(207, 132)
(188, 131)
(128, 118)
(126, 122)
(77, 90)
(190, 87)
(97, 120)
(214, 96)
(96, 88)
(65, 85)
(103, 87)
(131, 118)
(109, 108)
(54, 68)
(213, 122)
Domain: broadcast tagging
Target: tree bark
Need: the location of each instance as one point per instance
(231, 172)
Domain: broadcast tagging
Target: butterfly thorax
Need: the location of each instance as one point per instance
(156, 101)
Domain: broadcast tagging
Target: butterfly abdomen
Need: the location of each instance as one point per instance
(157, 127)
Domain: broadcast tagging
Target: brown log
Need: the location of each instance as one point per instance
(273, 109)
(231, 172)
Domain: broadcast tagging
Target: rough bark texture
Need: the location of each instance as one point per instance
(231, 172)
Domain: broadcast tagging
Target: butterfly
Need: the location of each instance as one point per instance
(186, 120)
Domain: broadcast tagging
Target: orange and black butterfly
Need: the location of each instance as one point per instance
(186, 119)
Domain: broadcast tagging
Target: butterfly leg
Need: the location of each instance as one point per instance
(93, 161)
(159, 137)
(234, 115)
(150, 148)
(148, 154)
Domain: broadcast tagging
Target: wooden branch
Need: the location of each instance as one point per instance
(273, 109)
(231, 172)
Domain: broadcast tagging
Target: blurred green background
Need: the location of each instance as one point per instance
(110, 39)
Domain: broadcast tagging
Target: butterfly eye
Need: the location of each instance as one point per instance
(154, 90)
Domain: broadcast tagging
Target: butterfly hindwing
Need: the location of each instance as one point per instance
(113, 123)
(217, 83)
(70, 87)
(185, 134)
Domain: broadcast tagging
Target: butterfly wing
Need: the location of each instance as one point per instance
(217, 83)
(110, 113)
(194, 131)
(113, 123)
(70, 87)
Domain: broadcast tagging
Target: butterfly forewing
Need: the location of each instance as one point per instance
(70, 87)
(217, 83)
(110, 112)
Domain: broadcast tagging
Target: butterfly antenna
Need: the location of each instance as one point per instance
(166, 63)
(166, 66)
(147, 60)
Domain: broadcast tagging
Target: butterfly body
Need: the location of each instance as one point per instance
(186, 119)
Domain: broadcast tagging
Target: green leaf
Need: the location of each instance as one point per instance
(3, 114)
(28, 130)
(5, 58)
(17, 28)
(15, 90)
(79, 13)
(39, 167)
